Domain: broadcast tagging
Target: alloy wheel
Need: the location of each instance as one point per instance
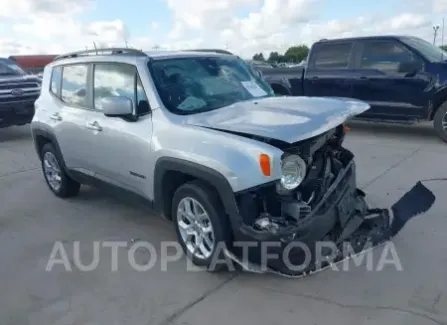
(195, 228)
(52, 171)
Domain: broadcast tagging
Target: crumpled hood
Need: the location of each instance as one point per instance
(288, 119)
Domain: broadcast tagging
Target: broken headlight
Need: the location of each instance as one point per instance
(293, 171)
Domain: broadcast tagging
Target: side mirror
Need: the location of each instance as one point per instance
(410, 68)
(119, 106)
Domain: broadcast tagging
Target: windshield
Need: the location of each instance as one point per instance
(428, 50)
(198, 84)
(9, 67)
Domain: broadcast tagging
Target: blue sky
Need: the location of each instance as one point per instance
(136, 14)
(139, 14)
(59, 25)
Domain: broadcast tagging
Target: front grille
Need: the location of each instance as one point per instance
(337, 188)
(18, 85)
(18, 91)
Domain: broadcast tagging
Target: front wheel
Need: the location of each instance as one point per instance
(201, 225)
(440, 122)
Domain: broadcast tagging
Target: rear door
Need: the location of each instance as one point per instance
(330, 70)
(393, 95)
(69, 101)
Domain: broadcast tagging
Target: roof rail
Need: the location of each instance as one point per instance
(211, 50)
(101, 51)
(323, 39)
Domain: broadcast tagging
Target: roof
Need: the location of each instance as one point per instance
(187, 53)
(129, 54)
(363, 38)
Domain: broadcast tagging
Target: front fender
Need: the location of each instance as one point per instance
(211, 176)
(235, 157)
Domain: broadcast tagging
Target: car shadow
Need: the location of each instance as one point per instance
(15, 133)
(415, 131)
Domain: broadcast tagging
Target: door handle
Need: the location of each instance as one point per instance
(314, 78)
(56, 117)
(94, 126)
(363, 78)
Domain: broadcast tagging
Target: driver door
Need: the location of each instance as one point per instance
(120, 147)
(391, 93)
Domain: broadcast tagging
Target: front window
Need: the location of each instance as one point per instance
(10, 68)
(119, 79)
(431, 52)
(198, 84)
(385, 55)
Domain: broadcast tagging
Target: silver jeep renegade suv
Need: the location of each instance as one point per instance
(202, 138)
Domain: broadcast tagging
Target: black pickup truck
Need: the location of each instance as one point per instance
(18, 92)
(403, 78)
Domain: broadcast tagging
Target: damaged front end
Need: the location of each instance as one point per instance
(326, 206)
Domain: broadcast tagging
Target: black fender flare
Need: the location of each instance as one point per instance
(211, 176)
(38, 132)
(285, 86)
(439, 98)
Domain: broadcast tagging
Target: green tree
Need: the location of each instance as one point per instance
(275, 57)
(259, 57)
(296, 53)
(444, 47)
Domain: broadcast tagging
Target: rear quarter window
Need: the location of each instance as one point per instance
(332, 56)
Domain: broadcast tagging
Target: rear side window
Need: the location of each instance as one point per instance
(56, 77)
(74, 85)
(332, 56)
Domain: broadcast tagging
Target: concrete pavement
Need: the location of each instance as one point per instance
(390, 160)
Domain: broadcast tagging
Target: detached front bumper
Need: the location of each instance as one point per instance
(341, 217)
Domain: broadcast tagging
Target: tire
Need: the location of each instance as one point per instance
(280, 90)
(67, 187)
(438, 119)
(209, 201)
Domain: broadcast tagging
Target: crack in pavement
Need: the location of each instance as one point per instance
(193, 303)
(359, 306)
(18, 172)
(392, 167)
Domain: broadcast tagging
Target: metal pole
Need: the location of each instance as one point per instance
(435, 30)
(442, 33)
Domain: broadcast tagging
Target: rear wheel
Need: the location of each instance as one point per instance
(440, 122)
(201, 224)
(57, 179)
